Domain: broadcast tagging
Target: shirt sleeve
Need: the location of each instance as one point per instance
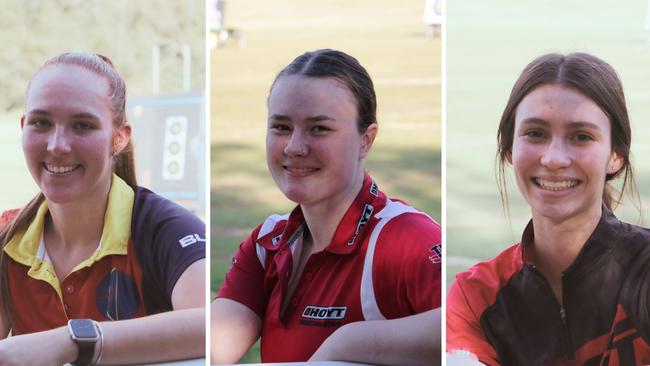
(244, 281)
(407, 272)
(7, 216)
(168, 239)
(464, 332)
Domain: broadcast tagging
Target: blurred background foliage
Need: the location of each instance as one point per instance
(125, 31)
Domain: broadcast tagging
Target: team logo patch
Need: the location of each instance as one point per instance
(117, 297)
(436, 254)
(323, 316)
(190, 239)
(365, 217)
(374, 190)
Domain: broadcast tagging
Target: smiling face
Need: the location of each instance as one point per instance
(562, 152)
(313, 148)
(68, 133)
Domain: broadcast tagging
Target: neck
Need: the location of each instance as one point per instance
(76, 224)
(323, 218)
(558, 243)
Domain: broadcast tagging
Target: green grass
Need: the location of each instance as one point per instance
(487, 47)
(388, 38)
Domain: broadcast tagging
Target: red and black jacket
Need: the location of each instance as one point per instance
(504, 310)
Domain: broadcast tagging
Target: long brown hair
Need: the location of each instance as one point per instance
(123, 163)
(593, 78)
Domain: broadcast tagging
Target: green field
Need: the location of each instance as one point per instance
(388, 37)
(488, 44)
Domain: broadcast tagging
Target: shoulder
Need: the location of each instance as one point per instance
(7, 216)
(478, 287)
(401, 224)
(151, 210)
(154, 206)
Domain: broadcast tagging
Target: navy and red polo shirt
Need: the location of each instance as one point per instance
(504, 310)
(383, 263)
(146, 245)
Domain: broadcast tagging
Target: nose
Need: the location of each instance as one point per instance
(58, 142)
(556, 155)
(297, 145)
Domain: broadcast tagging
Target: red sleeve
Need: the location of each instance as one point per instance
(470, 295)
(464, 330)
(8, 216)
(244, 280)
(407, 268)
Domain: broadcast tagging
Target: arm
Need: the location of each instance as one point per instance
(464, 332)
(412, 340)
(234, 329)
(178, 334)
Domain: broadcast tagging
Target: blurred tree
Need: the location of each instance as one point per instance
(126, 31)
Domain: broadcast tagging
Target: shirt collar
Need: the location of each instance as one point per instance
(24, 246)
(350, 229)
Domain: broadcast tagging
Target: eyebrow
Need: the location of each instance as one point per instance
(317, 118)
(571, 125)
(82, 115)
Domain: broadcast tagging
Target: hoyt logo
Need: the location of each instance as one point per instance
(324, 312)
(190, 239)
(365, 217)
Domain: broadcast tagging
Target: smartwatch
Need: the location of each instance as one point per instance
(84, 333)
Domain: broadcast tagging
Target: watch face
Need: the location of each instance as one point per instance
(83, 328)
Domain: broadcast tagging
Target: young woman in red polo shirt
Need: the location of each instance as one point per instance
(92, 246)
(349, 274)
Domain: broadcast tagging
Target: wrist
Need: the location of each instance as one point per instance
(68, 348)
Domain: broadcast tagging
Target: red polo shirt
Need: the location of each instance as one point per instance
(383, 263)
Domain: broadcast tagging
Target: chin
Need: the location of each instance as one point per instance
(297, 196)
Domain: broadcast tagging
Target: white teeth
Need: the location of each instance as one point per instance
(60, 169)
(556, 185)
(300, 170)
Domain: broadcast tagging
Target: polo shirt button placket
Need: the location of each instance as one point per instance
(295, 302)
(309, 276)
(69, 289)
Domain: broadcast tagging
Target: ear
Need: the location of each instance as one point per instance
(615, 163)
(22, 121)
(121, 138)
(367, 139)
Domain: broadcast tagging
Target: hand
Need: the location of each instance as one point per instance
(49, 348)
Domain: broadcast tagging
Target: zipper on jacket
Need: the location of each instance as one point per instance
(569, 350)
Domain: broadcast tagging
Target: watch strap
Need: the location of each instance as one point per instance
(86, 353)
